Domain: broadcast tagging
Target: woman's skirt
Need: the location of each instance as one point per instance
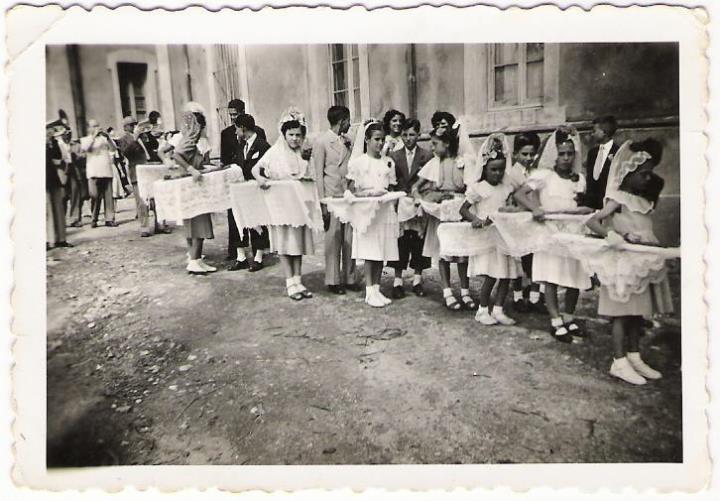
(289, 240)
(379, 242)
(558, 270)
(494, 264)
(654, 299)
(431, 248)
(199, 227)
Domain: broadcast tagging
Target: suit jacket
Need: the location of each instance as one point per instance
(405, 176)
(230, 147)
(257, 150)
(330, 157)
(595, 190)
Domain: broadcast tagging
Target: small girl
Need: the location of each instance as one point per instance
(481, 200)
(392, 125)
(442, 179)
(632, 192)
(557, 190)
(371, 175)
(190, 151)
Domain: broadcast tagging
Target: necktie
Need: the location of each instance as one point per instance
(410, 158)
(599, 162)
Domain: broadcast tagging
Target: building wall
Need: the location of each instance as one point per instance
(388, 78)
(601, 79)
(440, 80)
(57, 85)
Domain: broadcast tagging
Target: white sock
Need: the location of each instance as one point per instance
(534, 296)
(376, 287)
(464, 292)
(417, 279)
(258, 256)
(497, 310)
(289, 282)
(542, 288)
(447, 292)
(297, 281)
(482, 309)
(398, 282)
(369, 290)
(556, 322)
(567, 317)
(241, 255)
(517, 295)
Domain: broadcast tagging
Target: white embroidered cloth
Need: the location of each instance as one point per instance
(522, 235)
(178, 199)
(286, 202)
(625, 270)
(461, 239)
(447, 210)
(359, 211)
(147, 174)
(408, 208)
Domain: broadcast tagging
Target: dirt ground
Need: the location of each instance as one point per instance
(149, 365)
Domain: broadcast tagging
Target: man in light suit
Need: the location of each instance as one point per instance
(330, 157)
(408, 162)
(598, 161)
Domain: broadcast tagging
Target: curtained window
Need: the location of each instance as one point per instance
(516, 74)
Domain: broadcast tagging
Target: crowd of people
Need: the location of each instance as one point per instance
(617, 192)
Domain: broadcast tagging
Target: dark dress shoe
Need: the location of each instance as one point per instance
(336, 289)
(145, 234)
(255, 266)
(398, 292)
(76, 224)
(111, 223)
(93, 224)
(418, 290)
(353, 287)
(520, 306)
(63, 244)
(238, 265)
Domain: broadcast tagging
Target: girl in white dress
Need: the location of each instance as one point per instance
(632, 192)
(442, 178)
(482, 199)
(370, 175)
(285, 160)
(556, 191)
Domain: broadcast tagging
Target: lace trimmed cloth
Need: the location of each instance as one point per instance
(625, 270)
(461, 239)
(147, 174)
(361, 211)
(447, 210)
(184, 198)
(286, 203)
(521, 235)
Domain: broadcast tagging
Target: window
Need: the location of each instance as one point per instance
(345, 69)
(132, 78)
(516, 75)
(226, 76)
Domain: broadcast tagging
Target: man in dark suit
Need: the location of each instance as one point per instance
(230, 153)
(408, 162)
(253, 147)
(598, 161)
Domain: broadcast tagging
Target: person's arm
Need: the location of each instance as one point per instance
(190, 169)
(317, 160)
(524, 197)
(595, 221)
(258, 172)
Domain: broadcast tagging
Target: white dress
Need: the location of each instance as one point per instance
(379, 241)
(557, 194)
(486, 199)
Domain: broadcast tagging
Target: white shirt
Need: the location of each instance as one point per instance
(410, 155)
(248, 144)
(603, 152)
(99, 161)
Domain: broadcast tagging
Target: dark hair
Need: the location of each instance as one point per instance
(526, 139)
(200, 119)
(607, 123)
(450, 136)
(153, 117)
(497, 147)
(651, 146)
(438, 117)
(292, 124)
(563, 135)
(370, 127)
(246, 121)
(336, 114)
(237, 104)
(389, 115)
(411, 123)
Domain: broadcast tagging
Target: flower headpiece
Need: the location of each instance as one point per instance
(292, 114)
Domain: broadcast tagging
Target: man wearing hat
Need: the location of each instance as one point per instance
(231, 152)
(134, 151)
(99, 150)
(54, 191)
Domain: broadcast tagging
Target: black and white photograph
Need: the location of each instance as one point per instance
(360, 253)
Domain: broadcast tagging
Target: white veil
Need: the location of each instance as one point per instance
(549, 154)
(486, 151)
(280, 161)
(359, 143)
